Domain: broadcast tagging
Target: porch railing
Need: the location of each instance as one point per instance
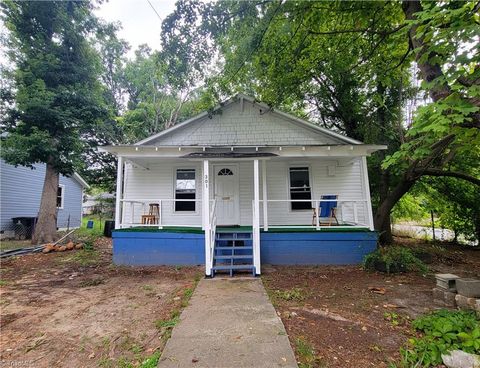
(342, 210)
(130, 206)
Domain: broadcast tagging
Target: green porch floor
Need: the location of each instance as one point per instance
(247, 229)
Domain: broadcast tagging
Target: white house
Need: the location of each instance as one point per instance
(242, 177)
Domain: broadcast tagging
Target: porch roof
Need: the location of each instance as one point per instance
(238, 152)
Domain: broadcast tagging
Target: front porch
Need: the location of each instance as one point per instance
(257, 195)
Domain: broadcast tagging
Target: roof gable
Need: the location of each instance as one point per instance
(243, 122)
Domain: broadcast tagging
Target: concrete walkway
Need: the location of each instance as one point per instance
(229, 323)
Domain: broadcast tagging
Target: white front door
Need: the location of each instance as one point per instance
(227, 194)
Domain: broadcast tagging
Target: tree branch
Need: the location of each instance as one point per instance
(452, 174)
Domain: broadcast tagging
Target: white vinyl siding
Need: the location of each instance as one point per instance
(158, 182)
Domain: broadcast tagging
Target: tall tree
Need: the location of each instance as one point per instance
(57, 94)
(100, 168)
(156, 100)
(347, 65)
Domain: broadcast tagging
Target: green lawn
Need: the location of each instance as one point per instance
(98, 225)
(14, 244)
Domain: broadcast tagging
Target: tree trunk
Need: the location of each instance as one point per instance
(46, 228)
(382, 215)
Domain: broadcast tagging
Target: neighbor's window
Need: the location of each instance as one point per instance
(185, 189)
(60, 196)
(300, 188)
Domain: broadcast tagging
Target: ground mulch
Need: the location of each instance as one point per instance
(353, 318)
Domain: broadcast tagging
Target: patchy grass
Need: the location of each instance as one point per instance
(120, 332)
(151, 361)
(306, 354)
(92, 282)
(295, 294)
(83, 257)
(14, 244)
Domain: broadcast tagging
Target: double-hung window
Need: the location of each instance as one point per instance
(185, 189)
(300, 188)
(60, 196)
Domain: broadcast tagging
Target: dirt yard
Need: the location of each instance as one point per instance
(76, 309)
(346, 317)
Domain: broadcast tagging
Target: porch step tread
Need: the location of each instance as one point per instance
(234, 267)
(234, 248)
(232, 238)
(233, 257)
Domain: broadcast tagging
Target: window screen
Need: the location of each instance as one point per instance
(300, 188)
(185, 189)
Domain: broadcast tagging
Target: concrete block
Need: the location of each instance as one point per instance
(464, 302)
(449, 299)
(446, 281)
(444, 296)
(468, 287)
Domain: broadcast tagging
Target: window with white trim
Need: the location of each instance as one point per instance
(300, 188)
(185, 188)
(60, 196)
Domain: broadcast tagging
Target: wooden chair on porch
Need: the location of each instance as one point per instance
(153, 215)
(326, 210)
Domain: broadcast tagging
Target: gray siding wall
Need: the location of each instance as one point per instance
(248, 127)
(21, 191)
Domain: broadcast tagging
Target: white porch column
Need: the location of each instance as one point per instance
(206, 216)
(264, 195)
(367, 193)
(256, 218)
(119, 193)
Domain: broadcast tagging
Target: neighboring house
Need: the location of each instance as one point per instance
(100, 203)
(21, 192)
(235, 188)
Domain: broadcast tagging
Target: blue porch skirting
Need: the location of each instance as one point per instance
(316, 248)
(148, 248)
(145, 248)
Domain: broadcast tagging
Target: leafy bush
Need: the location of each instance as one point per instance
(440, 332)
(393, 259)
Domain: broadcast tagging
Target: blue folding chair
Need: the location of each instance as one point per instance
(327, 209)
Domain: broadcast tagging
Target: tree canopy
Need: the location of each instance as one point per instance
(349, 67)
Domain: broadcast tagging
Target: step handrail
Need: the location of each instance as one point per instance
(213, 229)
